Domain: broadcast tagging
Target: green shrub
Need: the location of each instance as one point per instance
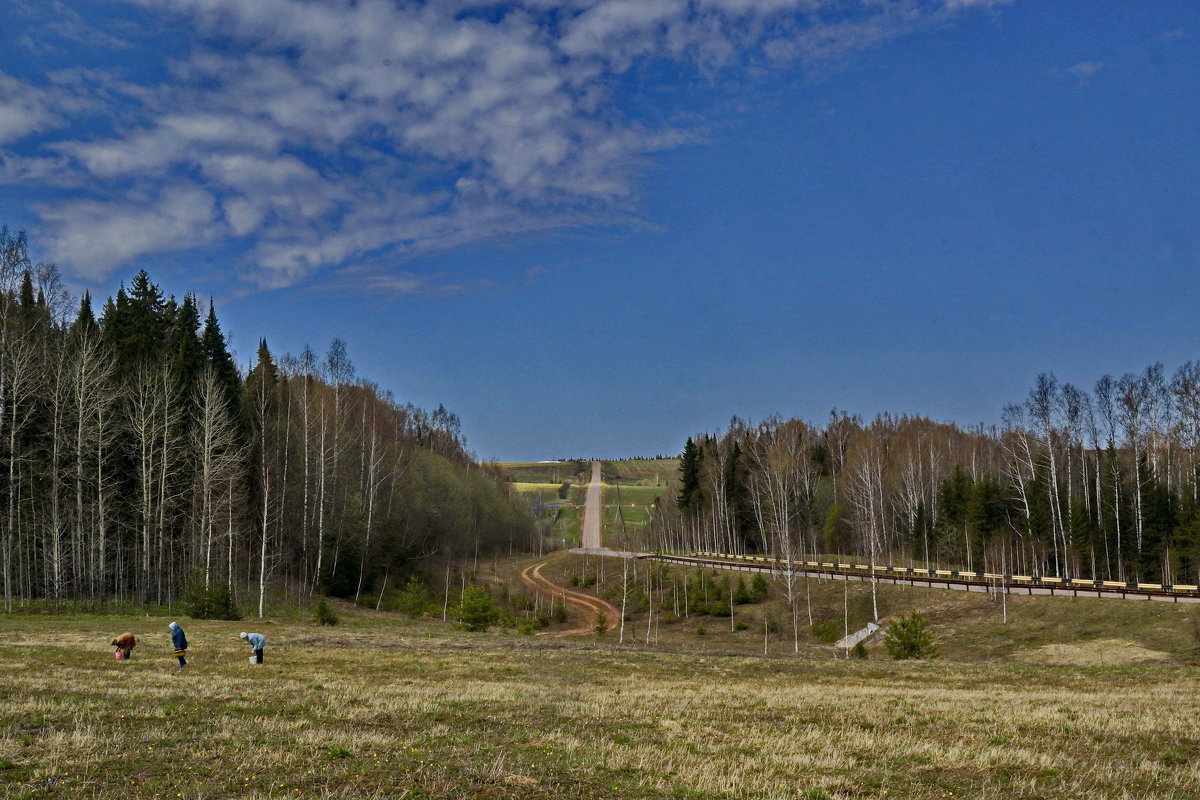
(859, 651)
(601, 623)
(741, 625)
(829, 631)
(701, 631)
(324, 613)
(759, 587)
(741, 595)
(477, 610)
(337, 751)
(415, 598)
(910, 637)
(212, 602)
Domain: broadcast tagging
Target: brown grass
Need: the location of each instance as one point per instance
(384, 707)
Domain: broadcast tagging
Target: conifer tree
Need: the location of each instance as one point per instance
(85, 320)
(216, 354)
(689, 471)
(186, 348)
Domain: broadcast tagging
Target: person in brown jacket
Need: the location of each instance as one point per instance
(124, 644)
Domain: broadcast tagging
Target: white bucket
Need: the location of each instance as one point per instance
(253, 659)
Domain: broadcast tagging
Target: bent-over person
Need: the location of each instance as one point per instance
(124, 644)
(257, 642)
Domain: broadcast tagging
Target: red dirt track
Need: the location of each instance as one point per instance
(589, 605)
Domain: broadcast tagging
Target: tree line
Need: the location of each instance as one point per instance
(1098, 484)
(136, 456)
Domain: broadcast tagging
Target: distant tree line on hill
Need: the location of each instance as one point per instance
(136, 457)
(1077, 484)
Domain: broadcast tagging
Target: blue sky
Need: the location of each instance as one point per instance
(594, 227)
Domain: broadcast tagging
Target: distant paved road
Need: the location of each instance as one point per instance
(593, 511)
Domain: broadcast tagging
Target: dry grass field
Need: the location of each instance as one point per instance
(387, 707)
(397, 711)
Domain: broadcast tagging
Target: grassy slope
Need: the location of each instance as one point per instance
(388, 707)
(545, 480)
(969, 626)
(640, 483)
(644, 472)
(553, 472)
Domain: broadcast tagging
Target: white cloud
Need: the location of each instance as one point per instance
(327, 131)
(1086, 70)
(95, 236)
(24, 109)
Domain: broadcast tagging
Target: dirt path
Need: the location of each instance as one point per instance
(593, 511)
(590, 606)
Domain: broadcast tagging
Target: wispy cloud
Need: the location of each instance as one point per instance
(321, 133)
(1085, 70)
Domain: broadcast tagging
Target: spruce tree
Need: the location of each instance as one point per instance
(264, 371)
(689, 470)
(186, 348)
(136, 324)
(85, 320)
(27, 299)
(909, 636)
(216, 353)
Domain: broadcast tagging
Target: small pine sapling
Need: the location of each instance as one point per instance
(324, 612)
(910, 637)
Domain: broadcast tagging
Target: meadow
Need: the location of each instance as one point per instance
(384, 706)
(632, 486)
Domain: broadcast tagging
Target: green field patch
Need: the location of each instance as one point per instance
(556, 472)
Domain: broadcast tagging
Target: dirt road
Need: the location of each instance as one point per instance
(590, 606)
(593, 511)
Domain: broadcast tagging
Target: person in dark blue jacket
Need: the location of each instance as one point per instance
(179, 641)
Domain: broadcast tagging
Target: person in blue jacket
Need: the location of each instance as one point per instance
(179, 641)
(257, 642)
